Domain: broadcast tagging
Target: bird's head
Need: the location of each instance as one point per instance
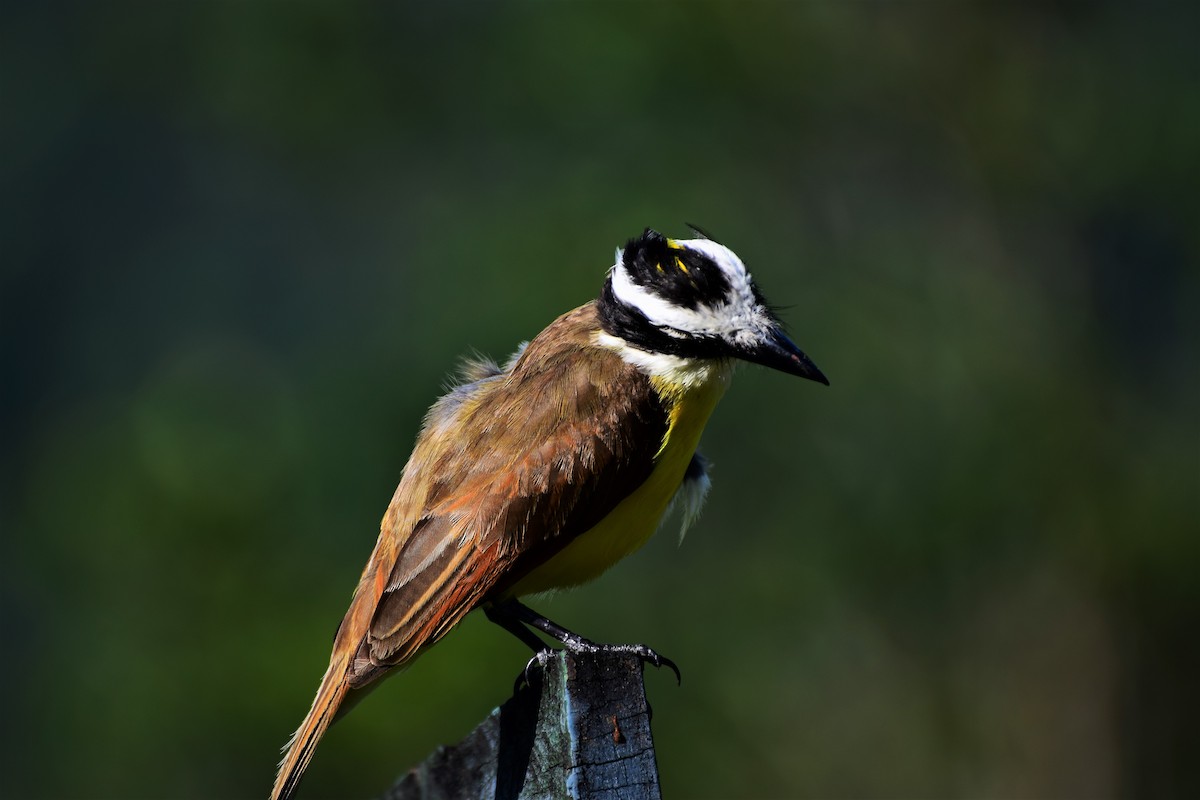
(693, 298)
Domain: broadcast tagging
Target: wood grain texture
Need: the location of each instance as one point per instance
(582, 733)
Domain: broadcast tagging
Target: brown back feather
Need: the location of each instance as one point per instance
(509, 476)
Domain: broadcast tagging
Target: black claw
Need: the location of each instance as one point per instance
(666, 662)
(525, 678)
(646, 654)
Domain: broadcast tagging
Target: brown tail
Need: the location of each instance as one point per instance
(300, 747)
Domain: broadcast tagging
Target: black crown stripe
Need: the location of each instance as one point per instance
(683, 277)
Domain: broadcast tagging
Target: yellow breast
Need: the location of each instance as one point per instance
(632, 521)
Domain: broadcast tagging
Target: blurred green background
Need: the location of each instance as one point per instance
(244, 245)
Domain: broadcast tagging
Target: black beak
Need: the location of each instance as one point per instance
(777, 351)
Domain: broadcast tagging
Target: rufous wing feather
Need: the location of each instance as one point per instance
(505, 473)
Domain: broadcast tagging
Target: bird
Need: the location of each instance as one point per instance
(541, 473)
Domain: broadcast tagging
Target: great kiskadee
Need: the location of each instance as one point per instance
(545, 472)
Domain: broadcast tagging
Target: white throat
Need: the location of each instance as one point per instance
(687, 373)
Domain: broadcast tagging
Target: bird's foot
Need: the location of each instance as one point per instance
(513, 617)
(577, 644)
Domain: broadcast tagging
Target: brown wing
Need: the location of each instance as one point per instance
(502, 478)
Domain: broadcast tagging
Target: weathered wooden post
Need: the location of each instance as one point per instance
(582, 732)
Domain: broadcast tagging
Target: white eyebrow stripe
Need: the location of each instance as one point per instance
(738, 317)
(733, 319)
(661, 312)
(729, 263)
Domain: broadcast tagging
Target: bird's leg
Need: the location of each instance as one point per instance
(513, 616)
(502, 614)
